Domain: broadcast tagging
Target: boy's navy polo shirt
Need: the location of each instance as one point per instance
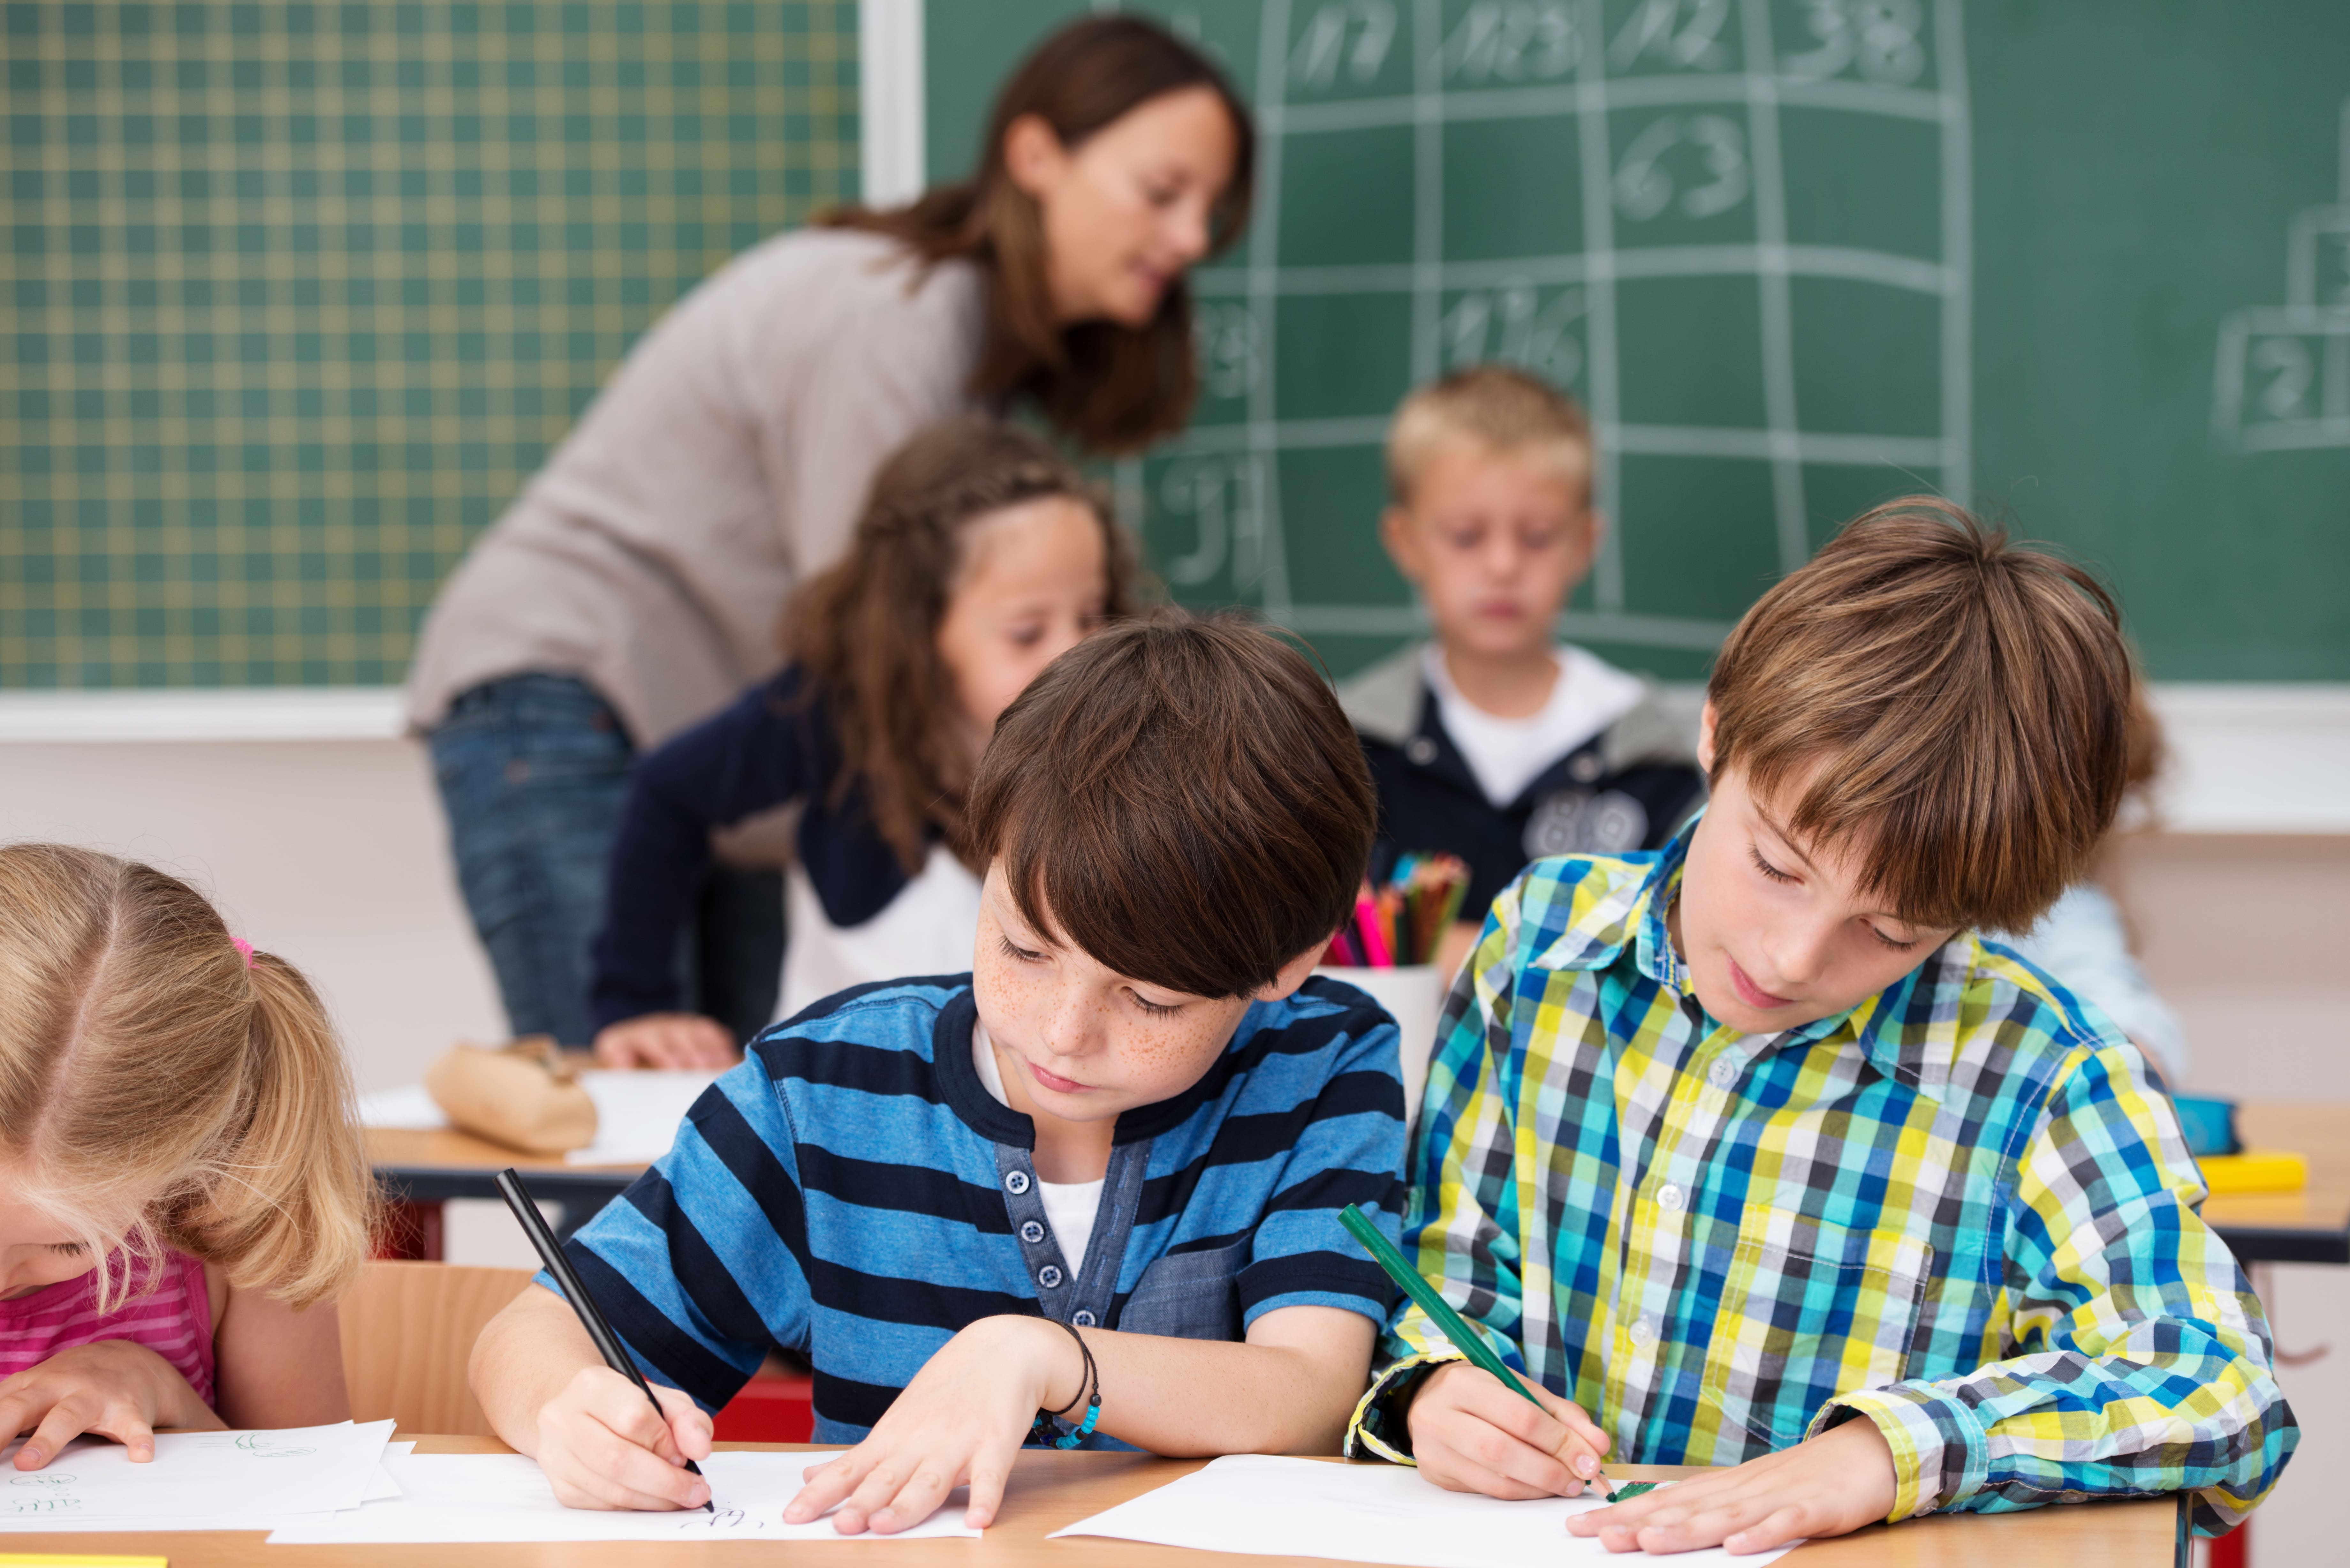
(1631, 786)
(853, 1193)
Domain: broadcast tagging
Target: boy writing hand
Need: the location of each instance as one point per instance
(1091, 1188)
(1757, 1150)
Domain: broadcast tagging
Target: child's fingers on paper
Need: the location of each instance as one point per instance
(127, 1424)
(827, 1485)
(873, 1491)
(19, 1411)
(990, 1474)
(1687, 1528)
(67, 1419)
(928, 1482)
(1788, 1524)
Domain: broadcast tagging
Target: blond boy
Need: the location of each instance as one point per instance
(1493, 741)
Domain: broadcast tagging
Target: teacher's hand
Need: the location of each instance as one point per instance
(675, 1040)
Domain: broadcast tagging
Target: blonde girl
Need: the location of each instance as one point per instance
(182, 1190)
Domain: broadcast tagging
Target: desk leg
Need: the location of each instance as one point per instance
(409, 1232)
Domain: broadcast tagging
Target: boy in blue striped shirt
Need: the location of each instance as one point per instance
(1089, 1190)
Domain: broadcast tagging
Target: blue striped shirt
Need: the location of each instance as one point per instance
(852, 1192)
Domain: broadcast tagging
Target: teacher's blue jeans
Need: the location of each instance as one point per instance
(532, 771)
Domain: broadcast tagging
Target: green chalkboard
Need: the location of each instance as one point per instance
(295, 298)
(2083, 265)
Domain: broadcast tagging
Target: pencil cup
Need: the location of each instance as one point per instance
(1414, 995)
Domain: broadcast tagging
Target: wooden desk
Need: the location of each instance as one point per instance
(415, 1167)
(1052, 1489)
(2312, 1226)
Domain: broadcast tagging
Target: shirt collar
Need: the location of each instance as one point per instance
(1919, 1057)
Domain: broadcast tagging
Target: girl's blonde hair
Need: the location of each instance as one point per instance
(148, 1069)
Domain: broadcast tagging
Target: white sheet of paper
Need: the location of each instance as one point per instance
(198, 1480)
(505, 1498)
(637, 1115)
(409, 1109)
(1361, 1513)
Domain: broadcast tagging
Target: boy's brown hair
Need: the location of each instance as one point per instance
(865, 631)
(1181, 798)
(1957, 708)
(1502, 405)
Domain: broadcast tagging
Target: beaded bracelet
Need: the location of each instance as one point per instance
(1088, 1393)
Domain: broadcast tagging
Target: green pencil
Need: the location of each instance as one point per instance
(1470, 1342)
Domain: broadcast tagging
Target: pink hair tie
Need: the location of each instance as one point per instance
(240, 945)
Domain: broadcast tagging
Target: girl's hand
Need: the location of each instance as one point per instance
(602, 1446)
(962, 1420)
(673, 1040)
(112, 1387)
(1828, 1485)
(1471, 1432)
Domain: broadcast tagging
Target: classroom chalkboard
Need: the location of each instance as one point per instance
(2085, 265)
(295, 298)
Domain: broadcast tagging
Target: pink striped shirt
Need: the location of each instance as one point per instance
(174, 1320)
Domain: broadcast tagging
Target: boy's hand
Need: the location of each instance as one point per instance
(112, 1387)
(683, 1041)
(1829, 1485)
(1471, 1432)
(962, 1420)
(602, 1446)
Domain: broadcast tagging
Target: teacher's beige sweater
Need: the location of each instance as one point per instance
(724, 464)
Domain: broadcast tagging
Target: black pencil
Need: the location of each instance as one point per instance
(591, 1316)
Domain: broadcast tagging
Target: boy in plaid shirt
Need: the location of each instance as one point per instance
(1752, 1150)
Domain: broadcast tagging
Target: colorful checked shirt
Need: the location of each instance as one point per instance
(1959, 1210)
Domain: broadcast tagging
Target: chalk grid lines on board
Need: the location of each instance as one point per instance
(1559, 170)
(2283, 376)
(298, 296)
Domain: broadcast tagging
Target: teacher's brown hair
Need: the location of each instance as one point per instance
(1111, 387)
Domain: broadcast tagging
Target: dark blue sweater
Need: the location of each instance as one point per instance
(774, 745)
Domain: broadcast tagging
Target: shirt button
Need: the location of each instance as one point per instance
(1585, 767)
(1016, 1182)
(1644, 1330)
(1083, 1319)
(1670, 1197)
(1421, 751)
(1722, 1074)
(1031, 1233)
(1049, 1277)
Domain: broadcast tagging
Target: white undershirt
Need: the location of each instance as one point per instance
(927, 928)
(1069, 1206)
(1508, 754)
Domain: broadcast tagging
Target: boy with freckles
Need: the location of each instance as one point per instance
(1087, 1194)
(1753, 1154)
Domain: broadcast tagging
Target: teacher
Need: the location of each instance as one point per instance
(634, 586)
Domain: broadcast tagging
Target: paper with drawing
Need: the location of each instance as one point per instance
(506, 1497)
(252, 1477)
